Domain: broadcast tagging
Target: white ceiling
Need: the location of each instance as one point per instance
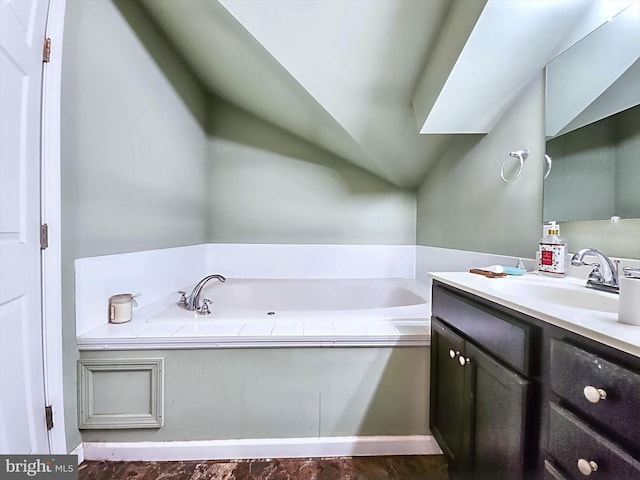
(354, 76)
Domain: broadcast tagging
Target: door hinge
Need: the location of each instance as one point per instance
(44, 236)
(48, 413)
(46, 51)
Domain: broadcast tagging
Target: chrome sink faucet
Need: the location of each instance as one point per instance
(193, 302)
(604, 275)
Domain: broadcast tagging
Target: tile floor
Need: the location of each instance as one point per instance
(410, 467)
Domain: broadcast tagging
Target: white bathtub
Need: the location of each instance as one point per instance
(276, 299)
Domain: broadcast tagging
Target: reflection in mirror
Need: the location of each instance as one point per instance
(596, 171)
(592, 124)
(596, 77)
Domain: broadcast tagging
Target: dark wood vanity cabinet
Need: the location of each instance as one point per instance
(479, 403)
(513, 397)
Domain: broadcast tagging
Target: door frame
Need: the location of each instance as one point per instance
(50, 213)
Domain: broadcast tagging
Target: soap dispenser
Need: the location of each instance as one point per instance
(552, 251)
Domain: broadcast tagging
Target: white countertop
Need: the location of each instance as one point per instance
(600, 326)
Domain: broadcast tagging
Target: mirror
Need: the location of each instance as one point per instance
(592, 124)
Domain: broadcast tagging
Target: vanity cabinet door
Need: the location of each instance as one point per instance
(500, 398)
(449, 398)
(478, 409)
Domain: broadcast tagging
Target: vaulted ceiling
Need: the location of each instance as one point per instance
(383, 84)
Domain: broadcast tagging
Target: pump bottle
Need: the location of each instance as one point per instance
(552, 253)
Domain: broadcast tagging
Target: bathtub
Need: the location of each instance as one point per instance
(275, 313)
(308, 299)
(313, 361)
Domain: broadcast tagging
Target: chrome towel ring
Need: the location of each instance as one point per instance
(521, 155)
(549, 161)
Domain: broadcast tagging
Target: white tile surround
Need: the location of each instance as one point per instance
(154, 274)
(233, 334)
(158, 274)
(311, 261)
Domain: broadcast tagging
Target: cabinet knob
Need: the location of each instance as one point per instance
(593, 394)
(463, 361)
(453, 353)
(587, 467)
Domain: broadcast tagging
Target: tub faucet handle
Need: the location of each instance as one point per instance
(631, 272)
(183, 298)
(204, 309)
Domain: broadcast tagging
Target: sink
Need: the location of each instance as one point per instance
(558, 292)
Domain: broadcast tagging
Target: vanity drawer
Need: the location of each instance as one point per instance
(573, 443)
(573, 369)
(504, 337)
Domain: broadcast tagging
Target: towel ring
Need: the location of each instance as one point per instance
(549, 161)
(521, 155)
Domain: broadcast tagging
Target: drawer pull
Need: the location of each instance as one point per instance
(593, 394)
(463, 361)
(587, 467)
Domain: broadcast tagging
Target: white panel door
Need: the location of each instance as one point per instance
(22, 399)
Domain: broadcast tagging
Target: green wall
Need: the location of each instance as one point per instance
(133, 157)
(268, 186)
(464, 204)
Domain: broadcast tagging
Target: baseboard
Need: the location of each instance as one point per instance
(79, 451)
(262, 448)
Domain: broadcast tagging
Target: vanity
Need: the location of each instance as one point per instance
(533, 378)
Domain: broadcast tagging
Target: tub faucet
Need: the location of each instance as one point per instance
(604, 275)
(193, 302)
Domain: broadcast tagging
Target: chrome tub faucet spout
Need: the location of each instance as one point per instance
(192, 303)
(604, 275)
